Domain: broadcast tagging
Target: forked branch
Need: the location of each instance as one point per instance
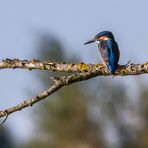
(81, 72)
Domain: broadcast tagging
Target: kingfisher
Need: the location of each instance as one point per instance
(108, 49)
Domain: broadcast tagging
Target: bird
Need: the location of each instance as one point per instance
(108, 49)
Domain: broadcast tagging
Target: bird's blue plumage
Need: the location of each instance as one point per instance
(113, 56)
(108, 49)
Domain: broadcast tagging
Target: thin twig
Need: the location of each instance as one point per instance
(6, 117)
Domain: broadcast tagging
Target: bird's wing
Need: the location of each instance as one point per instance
(114, 52)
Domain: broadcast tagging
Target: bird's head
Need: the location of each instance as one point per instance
(102, 36)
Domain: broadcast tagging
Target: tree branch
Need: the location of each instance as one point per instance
(58, 83)
(83, 72)
(132, 69)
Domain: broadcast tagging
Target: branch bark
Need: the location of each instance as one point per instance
(132, 69)
(82, 72)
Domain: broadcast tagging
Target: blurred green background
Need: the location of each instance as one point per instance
(98, 113)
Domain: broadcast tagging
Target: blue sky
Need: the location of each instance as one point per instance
(73, 23)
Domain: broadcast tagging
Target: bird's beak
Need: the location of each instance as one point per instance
(90, 41)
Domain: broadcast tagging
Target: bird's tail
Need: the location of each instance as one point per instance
(112, 69)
